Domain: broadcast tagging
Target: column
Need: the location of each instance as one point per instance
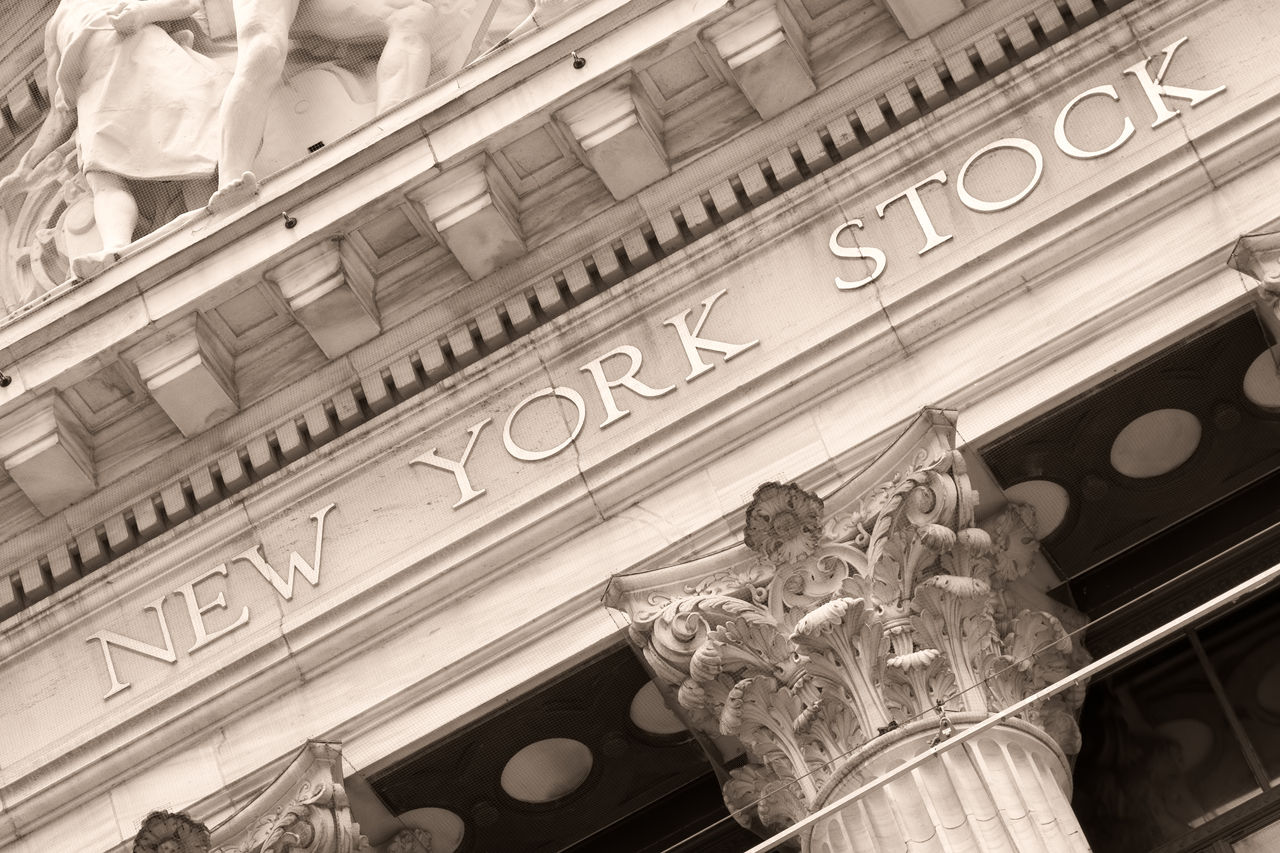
(847, 635)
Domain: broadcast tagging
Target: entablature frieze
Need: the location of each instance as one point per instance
(673, 222)
(378, 385)
(444, 131)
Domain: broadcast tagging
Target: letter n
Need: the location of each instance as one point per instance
(161, 653)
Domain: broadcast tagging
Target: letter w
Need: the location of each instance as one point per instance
(297, 565)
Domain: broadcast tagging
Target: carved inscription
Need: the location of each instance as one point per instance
(694, 343)
(1158, 93)
(195, 593)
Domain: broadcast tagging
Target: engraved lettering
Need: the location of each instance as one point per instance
(932, 239)
(973, 202)
(1157, 90)
(196, 610)
(466, 492)
(1060, 126)
(692, 342)
(628, 380)
(163, 653)
(868, 253)
(536, 455)
(297, 565)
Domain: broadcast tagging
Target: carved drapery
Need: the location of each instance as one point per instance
(305, 810)
(47, 215)
(46, 218)
(871, 624)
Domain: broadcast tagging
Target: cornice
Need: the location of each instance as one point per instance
(979, 283)
(134, 318)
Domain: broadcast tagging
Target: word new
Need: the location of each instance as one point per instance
(197, 609)
(1156, 90)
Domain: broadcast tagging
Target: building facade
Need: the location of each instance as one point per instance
(665, 404)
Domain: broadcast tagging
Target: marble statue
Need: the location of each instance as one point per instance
(263, 28)
(157, 104)
(139, 101)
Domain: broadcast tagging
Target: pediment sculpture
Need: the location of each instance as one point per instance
(155, 104)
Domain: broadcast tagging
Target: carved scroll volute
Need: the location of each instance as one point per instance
(305, 810)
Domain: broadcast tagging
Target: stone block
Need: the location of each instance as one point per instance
(47, 452)
(189, 372)
(765, 52)
(619, 132)
(328, 297)
(474, 210)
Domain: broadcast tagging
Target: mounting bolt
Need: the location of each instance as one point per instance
(579, 62)
(289, 221)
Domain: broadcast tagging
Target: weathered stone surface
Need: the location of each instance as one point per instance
(474, 209)
(765, 52)
(917, 17)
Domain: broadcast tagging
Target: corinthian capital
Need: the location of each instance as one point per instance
(848, 627)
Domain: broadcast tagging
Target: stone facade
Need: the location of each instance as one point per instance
(350, 456)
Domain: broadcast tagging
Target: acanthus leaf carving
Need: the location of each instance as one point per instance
(751, 790)
(840, 646)
(763, 713)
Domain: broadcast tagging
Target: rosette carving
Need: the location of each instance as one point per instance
(840, 621)
(167, 832)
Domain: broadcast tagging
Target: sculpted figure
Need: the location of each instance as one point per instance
(140, 102)
(262, 44)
